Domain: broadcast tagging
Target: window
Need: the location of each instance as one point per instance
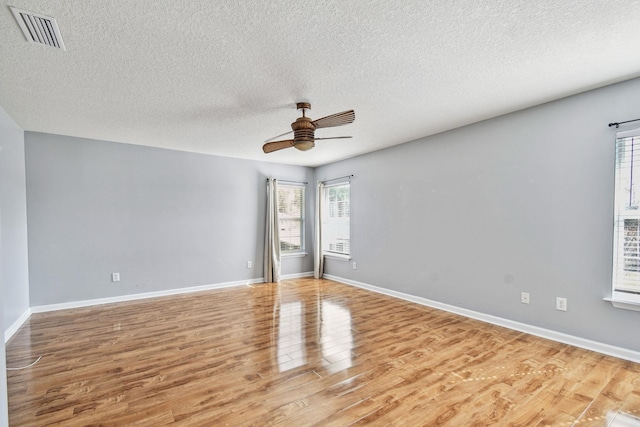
(336, 235)
(291, 217)
(626, 234)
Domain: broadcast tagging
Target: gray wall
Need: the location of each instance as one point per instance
(474, 216)
(13, 225)
(14, 278)
(4, 415)
(163, 219)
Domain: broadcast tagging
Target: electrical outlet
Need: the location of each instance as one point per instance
(561, 304)
(248, 264)
(355, 266)
(115, 277)
(524, 297)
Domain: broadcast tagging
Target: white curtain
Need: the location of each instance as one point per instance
(272, 237)
(318, 257)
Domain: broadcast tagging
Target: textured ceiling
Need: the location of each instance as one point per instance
(220, 77)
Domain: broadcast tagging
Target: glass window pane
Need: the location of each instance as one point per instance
(291, 217)
(626, 262)
(336, 219)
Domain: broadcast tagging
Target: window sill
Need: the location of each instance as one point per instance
(294, 255)
(625, 305)
(341, 257)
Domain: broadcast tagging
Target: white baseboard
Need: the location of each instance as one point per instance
(16, 325)
(296, 275)
(599, 347)
(133, 297)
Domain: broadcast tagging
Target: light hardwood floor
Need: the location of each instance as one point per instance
(304, 352)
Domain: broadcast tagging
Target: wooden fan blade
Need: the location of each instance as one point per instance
(333, 137)
(337, 119)
(270, 147)
(279, 136)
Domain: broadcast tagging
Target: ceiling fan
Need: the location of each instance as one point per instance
(304, 130)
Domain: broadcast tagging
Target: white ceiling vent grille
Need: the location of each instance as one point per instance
(39, 28)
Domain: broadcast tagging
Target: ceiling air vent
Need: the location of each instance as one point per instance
(39, 28)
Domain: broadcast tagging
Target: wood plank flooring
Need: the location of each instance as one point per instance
(302, 353)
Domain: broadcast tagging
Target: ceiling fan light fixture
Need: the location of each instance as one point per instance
(304, 145)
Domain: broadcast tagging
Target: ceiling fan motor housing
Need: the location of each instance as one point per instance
(303, 133)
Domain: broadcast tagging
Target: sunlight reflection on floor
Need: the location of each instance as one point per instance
(330, 342)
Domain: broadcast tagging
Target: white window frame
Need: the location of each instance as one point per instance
(625, 288)
(329, 225)
(301, 219)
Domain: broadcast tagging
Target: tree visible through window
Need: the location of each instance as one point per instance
(291, 217)
(336, 234)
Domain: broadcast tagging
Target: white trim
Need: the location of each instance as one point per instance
(627, 133)
(133, 297)
(11, 330)
(624, 304)
(607, 349)
(293, 254)
(296, 275)
(336, 182)
(335, 255)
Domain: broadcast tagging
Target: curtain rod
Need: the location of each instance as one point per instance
(290, 182)
(335, 179)
(617, 124)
